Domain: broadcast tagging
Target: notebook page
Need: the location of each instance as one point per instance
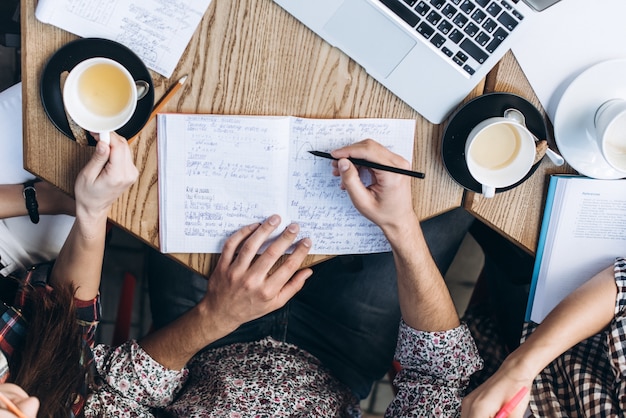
(324, 211)
(217, 174)
(590, 233)
(158, 31)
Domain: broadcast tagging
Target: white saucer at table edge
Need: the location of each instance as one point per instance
(574, 130)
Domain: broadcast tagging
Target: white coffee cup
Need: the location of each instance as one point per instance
(499, 152)
(100, 96)
(610, 122)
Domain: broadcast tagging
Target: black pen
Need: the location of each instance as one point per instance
(365, 163)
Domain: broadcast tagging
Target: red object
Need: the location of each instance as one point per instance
(124, 310)
(510, 405)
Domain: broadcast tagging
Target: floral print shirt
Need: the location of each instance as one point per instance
(265, 378)
(436, 368)
(129, 383)
(269, 378)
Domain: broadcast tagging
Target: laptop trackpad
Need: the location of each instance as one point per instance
(369, 37)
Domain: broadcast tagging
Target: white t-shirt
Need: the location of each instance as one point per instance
(23, 243)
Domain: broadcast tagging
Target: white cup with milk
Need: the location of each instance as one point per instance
(499, 152)
(100, 96)
(610, 123)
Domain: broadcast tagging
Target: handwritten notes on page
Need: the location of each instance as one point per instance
(583, 230)
(219, 173)
(158, 31)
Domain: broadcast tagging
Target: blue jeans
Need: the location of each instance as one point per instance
(346, 315)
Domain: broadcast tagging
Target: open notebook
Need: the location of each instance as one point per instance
(218, 173)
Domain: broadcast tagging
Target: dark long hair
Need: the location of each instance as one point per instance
(51, 364)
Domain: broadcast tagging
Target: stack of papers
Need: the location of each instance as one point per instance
(157, 31)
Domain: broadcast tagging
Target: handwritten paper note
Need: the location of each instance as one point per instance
(218, 173)
(158, 31)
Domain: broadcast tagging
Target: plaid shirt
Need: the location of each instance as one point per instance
(12, 332)
(589, 380)
(13, 325)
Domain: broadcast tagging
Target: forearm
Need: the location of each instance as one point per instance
(80, 259)
(175, 344)
(51, 201)
(12, 201)
(425, 301)
(108, 173)
(424, 298)
(584, 313)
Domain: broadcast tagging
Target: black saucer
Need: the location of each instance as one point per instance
(79, 50)
(468, 116)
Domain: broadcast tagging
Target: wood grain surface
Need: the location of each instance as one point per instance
(247, 57)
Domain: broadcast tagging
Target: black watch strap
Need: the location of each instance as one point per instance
(30, 199)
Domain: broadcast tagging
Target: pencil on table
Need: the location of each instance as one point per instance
(162, 103)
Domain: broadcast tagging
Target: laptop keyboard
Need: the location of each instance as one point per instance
(465, 31)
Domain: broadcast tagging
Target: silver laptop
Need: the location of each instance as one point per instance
(430, 53)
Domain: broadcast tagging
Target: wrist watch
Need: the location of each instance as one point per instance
(30, 199)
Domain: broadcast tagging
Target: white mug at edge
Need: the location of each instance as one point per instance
(499, 152)
(610, 123)
(100, 95)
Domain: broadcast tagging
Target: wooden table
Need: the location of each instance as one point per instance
(249, 57)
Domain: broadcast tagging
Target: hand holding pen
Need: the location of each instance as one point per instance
(387, 201)
(510, 406)
(14, 402)
(483, 401)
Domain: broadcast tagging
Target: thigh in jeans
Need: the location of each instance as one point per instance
(347, 316)
(174, 289)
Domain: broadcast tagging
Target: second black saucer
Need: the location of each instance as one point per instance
(469, 115)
